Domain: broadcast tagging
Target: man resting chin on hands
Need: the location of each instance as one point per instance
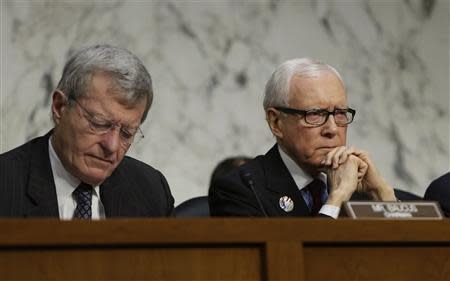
(309, 172)
(348, 170)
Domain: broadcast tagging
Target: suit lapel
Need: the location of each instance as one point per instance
(280, 183)
(110, 196)
(41, 186)
(118, 195)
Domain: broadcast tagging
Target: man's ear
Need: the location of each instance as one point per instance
(59, 105)
(275, 122)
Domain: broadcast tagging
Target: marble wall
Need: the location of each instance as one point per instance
(210, 61)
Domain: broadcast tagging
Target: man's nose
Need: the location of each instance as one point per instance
(111, 140)
(329, 129)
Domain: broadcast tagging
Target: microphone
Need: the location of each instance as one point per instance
(246, 177)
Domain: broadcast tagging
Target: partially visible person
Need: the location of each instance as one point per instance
(79, 168)
(198, 206)
(439, 190)
(226, 166)
(309, 171)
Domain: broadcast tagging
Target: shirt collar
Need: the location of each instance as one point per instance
(301, 178)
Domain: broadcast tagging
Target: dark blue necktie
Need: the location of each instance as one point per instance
(83, 196)
(316, 189)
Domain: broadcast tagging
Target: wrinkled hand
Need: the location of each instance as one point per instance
(339, 155)
(373, 183)
(370, 180)
(343, 180)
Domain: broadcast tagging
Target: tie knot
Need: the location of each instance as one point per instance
(316, 187)
(83, 193)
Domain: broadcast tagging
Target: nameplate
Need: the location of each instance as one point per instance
(413, 210)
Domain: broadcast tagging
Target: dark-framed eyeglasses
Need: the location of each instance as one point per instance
(100, 126)
(318, 117)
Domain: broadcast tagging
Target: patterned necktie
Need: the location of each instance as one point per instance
(316, 189)
(83, 196)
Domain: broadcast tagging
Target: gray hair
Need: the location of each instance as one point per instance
(277, 88)
(125, 69)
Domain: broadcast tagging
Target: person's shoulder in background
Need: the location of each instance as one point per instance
(230, 195)
(439, 190)
(227, 165)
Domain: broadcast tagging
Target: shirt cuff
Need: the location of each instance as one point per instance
(330, 210)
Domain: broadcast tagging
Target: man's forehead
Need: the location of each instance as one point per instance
(323, 87)
(102, 83)
(103, 87)
(308, 80)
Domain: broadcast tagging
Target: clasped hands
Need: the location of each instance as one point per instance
(350, 169)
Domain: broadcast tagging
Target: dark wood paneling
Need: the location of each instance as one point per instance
(138, 263)
(224, 249)
(377, 262)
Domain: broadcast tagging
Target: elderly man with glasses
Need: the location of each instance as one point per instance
(310, 171)
(79, 169)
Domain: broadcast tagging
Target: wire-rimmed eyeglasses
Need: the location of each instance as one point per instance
(100, 126)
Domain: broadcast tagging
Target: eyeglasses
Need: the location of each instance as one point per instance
(318, 117)
(101, 126)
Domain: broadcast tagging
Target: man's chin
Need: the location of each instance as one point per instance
(95, 178)
(316, 166)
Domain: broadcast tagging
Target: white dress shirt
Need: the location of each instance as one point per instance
(302, 179)
(65, 184)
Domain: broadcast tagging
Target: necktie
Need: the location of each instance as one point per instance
(83, 197)
(316, 189)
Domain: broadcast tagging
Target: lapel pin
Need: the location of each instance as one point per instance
(286, 204)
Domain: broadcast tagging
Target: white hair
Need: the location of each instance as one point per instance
(277, 88)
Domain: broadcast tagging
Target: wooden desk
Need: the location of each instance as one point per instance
(224, 249)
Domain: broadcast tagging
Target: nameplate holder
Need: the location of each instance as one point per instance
(408, 210)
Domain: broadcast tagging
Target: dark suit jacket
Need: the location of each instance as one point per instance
(439, 190)
(231, 196)
(27, 188)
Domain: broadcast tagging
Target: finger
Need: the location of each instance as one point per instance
(363, 166)
(359, 187)
(363, 155)
(345, 154)
(337, 155)
(360, 174)
(362, 169)
(328, 158)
